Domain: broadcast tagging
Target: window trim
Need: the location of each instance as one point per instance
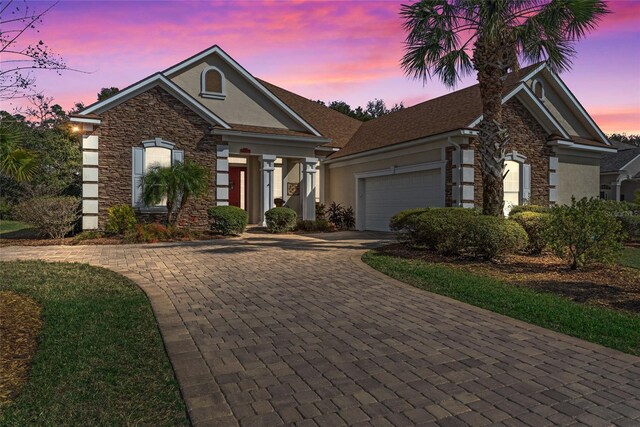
(516, 157)
(533, 88)
(203, 87)
(153, 143)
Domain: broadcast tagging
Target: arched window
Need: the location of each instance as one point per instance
(213, 83)
(538, 89)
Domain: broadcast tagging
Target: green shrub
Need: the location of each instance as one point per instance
(491, 237)
(120, 219)
(460, 231)
(320, 211)
(319, 225)
(630, 226)
(228, 220)
(6, 209)
(281, 220)
(404, 223)
(529, 208)
(343, 218)
(443, 229)
(535, 224)
(586, 231)
(54, 216)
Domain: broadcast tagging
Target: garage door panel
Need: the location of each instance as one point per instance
(388, 195)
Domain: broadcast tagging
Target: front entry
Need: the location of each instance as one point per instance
(238, 186)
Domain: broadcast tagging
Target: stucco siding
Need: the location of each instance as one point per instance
(243, 103)
(340, 177)
(560, 110)
(578, 177)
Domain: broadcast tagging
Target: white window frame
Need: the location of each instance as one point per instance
(154, 143)
(533, 88)
(514, 156)
(203, 84)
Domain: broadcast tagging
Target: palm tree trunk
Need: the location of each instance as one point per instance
(492, 61)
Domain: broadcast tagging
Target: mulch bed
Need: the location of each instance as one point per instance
(612, 286)
(20, 323)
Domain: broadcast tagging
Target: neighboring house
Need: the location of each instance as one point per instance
(262, 142)
(620, 173)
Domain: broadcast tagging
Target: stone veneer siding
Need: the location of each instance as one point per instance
(152, 114)
(528, 138)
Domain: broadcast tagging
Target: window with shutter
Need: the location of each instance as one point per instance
(153, 153)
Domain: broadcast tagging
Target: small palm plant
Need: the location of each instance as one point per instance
(453, 38)
(15, 162)
(175, 185)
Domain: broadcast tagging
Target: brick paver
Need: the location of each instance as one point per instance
(270, 330)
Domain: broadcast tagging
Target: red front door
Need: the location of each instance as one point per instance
(237, 183)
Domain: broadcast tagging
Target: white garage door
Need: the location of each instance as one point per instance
(388, 195)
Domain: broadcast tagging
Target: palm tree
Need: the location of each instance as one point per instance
(175, 184)
(449, 39)
(15, 162)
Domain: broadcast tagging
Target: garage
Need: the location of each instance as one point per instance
(387, 195)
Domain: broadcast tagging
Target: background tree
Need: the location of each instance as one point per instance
(174, 185)
(19, 59)
(627, 139)
(107, 92)
(374, 109)
(451, 39)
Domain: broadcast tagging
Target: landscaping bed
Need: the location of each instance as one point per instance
(101, 240)
(600, 303)
(612, 286)
(100, 359)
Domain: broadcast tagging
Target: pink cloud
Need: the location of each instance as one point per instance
(323, 50)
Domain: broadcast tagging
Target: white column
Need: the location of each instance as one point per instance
(309, 188)
(266, 184)
(89, 179)
(222, 175)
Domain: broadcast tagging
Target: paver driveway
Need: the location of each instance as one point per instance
(267, 330)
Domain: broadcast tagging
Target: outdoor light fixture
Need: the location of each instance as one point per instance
(75, 128)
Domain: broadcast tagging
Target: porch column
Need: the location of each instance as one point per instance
(309, 188)
(89, 178)
(266, 184)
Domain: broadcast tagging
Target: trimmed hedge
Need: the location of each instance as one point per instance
(443, 229)
(281, 220)
(228, 220)
(536, 225)
(529, 208)
(404, 223)
(491, 237)
(460, 231)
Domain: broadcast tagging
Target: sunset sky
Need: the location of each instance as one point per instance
(322, 50)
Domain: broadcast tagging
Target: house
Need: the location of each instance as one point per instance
(620, 173)
(262, 142)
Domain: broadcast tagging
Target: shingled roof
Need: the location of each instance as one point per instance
(455, 110)
(330, 123)
(616, 161)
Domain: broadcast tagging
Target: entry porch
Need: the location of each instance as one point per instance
(253, 170)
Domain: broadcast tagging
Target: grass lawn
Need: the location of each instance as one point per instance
(11, 226)
(100, 358)
(608, 327)
(631, 257)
